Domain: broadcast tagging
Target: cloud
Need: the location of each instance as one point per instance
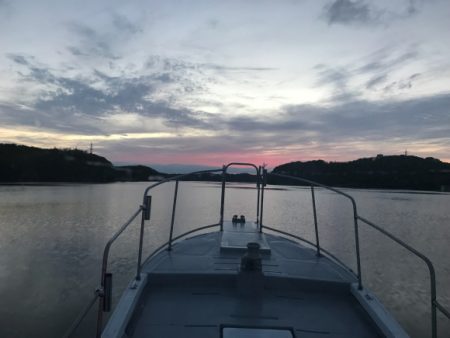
(367, 122)
(346, 131)
(184, 68)
(383, 60)
(80, 101)
(124, 25)
(377, 71)
(338, 78)
(154, 91)
(19, 59)
(375, 80)
(92, 103)
(348, 12)
(419, 118)
(363, 122)
(91, 43)
(76, 51)
(75, 101)
(382, 67)
(403, 84)
(228, 68)
(103, 43)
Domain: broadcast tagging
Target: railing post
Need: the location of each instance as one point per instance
(264, 175)
(222, 199)
(100, 315)
(358, 256)
(173, 215)
(315, 220)
(258, 186)
(141, 237)
(433, 307)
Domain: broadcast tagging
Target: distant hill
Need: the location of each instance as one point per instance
(387, 172)
(20, 163)
(136, 172)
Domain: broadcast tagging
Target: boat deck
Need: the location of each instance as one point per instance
(220, 253)
(195, 290)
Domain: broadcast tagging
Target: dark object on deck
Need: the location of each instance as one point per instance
(251, 261)
(237, 219)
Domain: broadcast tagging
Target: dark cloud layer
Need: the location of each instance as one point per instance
(347, 12)
(69, 100)
(421, 118)
(301, 127)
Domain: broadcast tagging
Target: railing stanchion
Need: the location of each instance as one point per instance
(141, 241)
(258, 186)
(222, 198)
(433, 315)
(99, 317)
(173, 215)
(264, 177)
(315, 220)
(358, 255)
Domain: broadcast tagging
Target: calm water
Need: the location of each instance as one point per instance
(52, 239)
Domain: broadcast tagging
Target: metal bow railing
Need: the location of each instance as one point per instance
(103, 293)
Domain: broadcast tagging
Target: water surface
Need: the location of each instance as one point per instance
(52, 239)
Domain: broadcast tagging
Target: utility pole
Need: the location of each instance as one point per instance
(91, 148)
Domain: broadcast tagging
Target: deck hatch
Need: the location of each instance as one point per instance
(253, 332)
(236, 237)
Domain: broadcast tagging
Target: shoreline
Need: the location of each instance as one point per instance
(270, 186)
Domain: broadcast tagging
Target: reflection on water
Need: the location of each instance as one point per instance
(52, 239)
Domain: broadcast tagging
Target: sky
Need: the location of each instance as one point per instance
(209, 82)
